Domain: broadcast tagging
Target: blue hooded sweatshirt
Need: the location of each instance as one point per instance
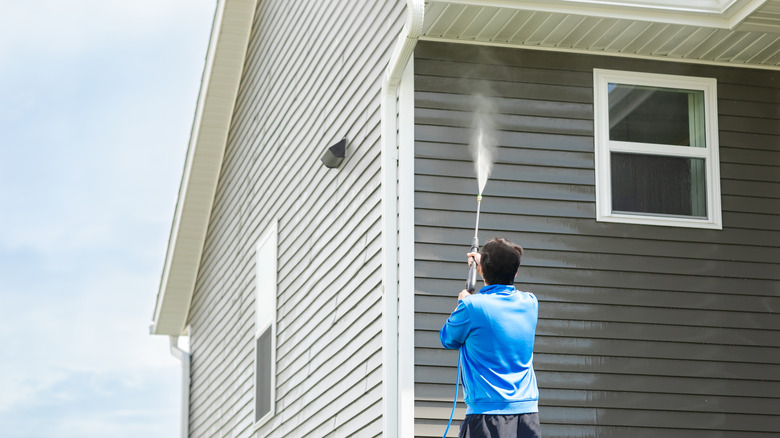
(494, 330)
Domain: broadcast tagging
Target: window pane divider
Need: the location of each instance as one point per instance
(657, 149)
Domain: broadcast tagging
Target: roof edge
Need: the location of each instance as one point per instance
(213, 113)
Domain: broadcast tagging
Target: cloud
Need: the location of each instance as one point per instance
(96, 110)
(88, 139)
(68, 29)
(86, 405)
(60, 319)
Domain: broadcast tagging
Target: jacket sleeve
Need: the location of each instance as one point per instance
(457, 327)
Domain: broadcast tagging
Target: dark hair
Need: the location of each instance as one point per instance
(500, 260)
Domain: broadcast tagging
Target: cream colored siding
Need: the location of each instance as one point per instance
(313, 75)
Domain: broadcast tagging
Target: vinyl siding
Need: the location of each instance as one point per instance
(313, 75)
(643, 330)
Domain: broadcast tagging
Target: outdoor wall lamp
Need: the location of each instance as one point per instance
(335, 154)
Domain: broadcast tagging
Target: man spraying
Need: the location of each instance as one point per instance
(494, 330)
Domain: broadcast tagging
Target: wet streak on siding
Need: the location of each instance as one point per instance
(644, 330)
(304, 87)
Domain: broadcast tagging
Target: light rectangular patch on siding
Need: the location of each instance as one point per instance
(265, 324)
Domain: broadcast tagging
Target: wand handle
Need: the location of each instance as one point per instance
(471, 280)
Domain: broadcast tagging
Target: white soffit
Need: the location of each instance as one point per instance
(735, 32)
(710, 13)
(219, 88)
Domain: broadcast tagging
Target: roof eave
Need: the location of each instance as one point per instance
(216, 101)
(746, 34)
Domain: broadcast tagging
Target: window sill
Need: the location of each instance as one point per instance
(662, 221)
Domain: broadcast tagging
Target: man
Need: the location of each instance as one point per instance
(494, 330)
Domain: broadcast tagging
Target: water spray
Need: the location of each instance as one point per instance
(482, 149)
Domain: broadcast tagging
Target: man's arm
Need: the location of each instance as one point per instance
(456, 328)
(458, 325)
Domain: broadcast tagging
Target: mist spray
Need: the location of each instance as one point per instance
(483, 149)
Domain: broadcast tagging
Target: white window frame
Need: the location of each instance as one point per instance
(265, 309)
(604, 147)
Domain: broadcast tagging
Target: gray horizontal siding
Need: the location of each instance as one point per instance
(312, 75)
(643, 331)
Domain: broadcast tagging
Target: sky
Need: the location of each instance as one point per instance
(97, 99)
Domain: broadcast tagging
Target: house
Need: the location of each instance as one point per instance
(638, 163)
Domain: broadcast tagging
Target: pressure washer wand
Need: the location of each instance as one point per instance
(471, 280)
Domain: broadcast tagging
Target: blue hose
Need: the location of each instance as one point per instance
(454, 402)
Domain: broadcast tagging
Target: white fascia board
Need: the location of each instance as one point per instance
(216, 101)
(704, 13)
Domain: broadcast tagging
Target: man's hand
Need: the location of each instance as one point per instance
(475, 257)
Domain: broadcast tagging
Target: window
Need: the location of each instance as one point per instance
(265, 325)
(656, 147)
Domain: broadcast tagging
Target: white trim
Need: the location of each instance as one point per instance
(739, 16)
(266, 265)
(600, 53)
(719, 7)
(658, 149)
(389, 264)
(402, 53)
(406, 251)
(603, 147)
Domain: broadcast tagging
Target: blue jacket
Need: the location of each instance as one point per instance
(494, 330)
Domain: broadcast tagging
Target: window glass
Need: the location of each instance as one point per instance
(643, 114)
(658, 184)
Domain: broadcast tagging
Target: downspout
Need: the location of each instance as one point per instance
(184, 358)
(398, 60)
